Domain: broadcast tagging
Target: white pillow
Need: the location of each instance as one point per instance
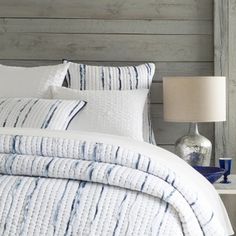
(88, 77)
(38, 113)
(30, 81)
(113, 112)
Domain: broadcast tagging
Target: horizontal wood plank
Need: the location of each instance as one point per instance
(157, 93)
(162, 68)
(183, 69)
(106, 9)
(168, 132)
(99, 26)
(106, 47)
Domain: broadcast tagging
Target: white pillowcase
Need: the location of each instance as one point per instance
(30, 81)
(38, 113)
(113, 112)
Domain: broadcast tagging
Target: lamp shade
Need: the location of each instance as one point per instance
(194, 99)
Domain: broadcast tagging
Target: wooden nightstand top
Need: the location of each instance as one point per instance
(226, 188)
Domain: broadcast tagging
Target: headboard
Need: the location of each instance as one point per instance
(175, 35)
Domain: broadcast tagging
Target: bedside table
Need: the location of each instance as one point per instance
(227, 192)
(226, 188)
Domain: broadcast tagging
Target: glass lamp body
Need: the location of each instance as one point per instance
(194, 148)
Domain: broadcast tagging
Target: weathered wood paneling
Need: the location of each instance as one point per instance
(157, 93)
(106, 47)
(100, 26)
(183, 69)
(225, 64)
(162, 68)
(221, 68)
(107, 9)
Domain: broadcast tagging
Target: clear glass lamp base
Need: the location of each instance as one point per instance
(194, 148)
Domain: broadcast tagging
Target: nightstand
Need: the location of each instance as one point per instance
(226, 188)
(227, 192)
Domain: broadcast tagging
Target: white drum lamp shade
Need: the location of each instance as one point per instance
(194, 99)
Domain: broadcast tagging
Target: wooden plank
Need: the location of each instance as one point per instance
(156, 93)
(162, 68)
(221, 68)
(225, 64)
(183, 69)
(168, 132)
(106, 47)
(107, 9)
(232, 83)
(99, 26)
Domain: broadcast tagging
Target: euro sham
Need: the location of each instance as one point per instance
(30, 81)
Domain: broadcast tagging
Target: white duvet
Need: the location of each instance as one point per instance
(192, 178)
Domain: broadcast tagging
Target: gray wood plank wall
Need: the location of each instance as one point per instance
(176, 35)
(225, 64)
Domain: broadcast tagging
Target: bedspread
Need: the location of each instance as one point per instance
(67, 186)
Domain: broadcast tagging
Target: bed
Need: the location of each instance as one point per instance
(65, 169)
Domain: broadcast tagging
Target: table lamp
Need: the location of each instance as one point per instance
(193, 100)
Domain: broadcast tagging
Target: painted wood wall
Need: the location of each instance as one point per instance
(176, 35)
(225, 64)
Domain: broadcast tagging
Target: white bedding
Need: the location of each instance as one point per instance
(90, 77)
(192, 178)
(30, 81)
(118, 112)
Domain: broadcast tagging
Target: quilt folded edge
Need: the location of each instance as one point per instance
(114, 165)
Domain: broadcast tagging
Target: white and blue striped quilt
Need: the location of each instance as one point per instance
(55, 114)
(66, 186)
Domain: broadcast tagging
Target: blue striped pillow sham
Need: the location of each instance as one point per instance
(88, 77)
(38, 113)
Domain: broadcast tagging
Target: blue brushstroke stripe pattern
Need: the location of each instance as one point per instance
(89, 77)
(38, 113)
(60, 186)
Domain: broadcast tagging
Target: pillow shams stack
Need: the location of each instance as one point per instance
(22, 103)
(87, 77)
(117, 99)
